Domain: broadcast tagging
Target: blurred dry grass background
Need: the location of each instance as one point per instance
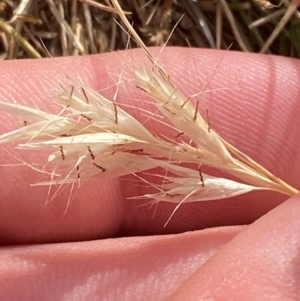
(34, 28)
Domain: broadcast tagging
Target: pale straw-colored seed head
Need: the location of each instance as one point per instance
(93, 137)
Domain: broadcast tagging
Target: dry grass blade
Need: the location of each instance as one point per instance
(219, 20)
(286, 17)
(267, 19)
(65, 26)
(202, 22)
(8, 29)
(101, 6)
(265, 4)
(20, 10)
(89, 24)
(235, 30)
(88, 18)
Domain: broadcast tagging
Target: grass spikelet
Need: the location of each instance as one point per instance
(93, 136)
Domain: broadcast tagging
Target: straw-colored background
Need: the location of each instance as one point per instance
(33, 28)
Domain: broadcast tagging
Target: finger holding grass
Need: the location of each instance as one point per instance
(107, 199)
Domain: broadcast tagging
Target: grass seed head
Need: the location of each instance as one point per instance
(93, 137)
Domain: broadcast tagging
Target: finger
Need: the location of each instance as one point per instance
(261, 263)
(250, 113)
(140, 268)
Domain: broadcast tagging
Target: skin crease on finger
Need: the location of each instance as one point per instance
(261, 263)
(254, 106)
(137, 268)
(256, 262)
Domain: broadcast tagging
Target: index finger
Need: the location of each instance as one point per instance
(257, 113)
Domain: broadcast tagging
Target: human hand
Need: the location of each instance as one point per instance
(258, 113)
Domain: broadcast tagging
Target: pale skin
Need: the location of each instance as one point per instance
(242, 249)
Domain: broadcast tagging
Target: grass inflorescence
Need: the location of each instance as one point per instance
(94, 137)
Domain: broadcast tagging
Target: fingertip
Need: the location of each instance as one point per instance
(260, 263)
(260, 118)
